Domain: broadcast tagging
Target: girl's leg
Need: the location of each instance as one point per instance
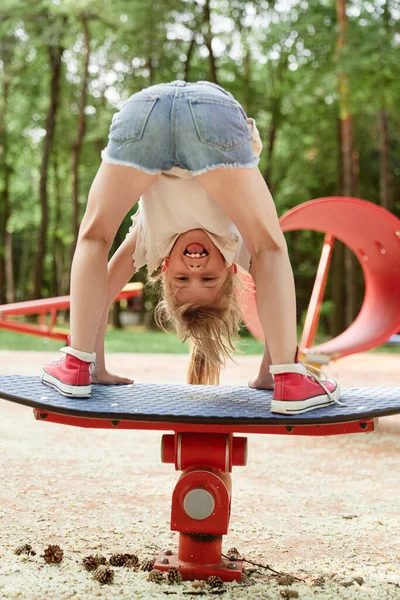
(120, 271)
(115, 190)
(244, 196)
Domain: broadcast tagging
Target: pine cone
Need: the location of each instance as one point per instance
(147, 565)
(103, 575)
(285, 579)
(215, 582)
(131, 563)
(289, 594)
(118, 560)
(174, 575)
(93, 561)
(156, 576)
(132, 559)
(25, 549)
(233, 553)
(53, 554)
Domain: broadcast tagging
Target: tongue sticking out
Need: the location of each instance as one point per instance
(195, 248)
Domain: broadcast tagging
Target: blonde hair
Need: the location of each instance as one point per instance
(211, 330)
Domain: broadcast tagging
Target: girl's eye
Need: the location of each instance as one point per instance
(208, 278)
(182, 278)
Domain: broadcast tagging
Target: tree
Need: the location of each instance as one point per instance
(349, 162)
(55, 52)
(77, 147)
(6, 53)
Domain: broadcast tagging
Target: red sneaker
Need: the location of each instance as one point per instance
(71, 374)
(300, 388)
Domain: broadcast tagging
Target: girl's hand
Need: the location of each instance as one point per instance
(106, 378)
(262, 383)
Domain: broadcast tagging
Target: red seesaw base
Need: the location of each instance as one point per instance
(202, 552)
(201, 502)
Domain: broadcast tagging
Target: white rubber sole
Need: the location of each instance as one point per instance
(71, 391)
(297, 407)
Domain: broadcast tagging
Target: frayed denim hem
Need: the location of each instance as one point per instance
(115, 161)
(249, 165)
(124, 163)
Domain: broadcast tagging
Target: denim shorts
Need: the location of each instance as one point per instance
(195, 126)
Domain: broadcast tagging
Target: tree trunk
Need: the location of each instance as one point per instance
(150, 68)
(81, 129)
(276, 78)
(66, 272)
(208, 41)
(55, 55)
(5, 195)
(189, 55)
(10, 289)
(386, 171)
(23, 285)
(270, 148)
(247, 79)
(349, 160)
(57, 254)
(337, 318)
(4, 255)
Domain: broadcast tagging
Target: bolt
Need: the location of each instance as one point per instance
(168, 552)
(231, 566)
(164, 561)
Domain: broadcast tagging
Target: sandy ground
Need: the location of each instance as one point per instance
(313, 507)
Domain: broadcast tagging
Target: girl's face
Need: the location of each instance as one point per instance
(195, 268)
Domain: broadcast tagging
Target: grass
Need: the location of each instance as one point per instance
(140, 340)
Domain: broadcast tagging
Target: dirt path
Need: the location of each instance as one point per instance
(314, 507)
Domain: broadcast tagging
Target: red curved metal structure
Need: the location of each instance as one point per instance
(373, 234)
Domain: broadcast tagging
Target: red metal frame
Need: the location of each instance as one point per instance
(49, 307)
(201, 500)
(324, 429)
(317, 295)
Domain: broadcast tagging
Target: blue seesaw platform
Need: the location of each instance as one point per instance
(194, 403)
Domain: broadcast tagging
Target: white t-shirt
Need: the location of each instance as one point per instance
(176, 203)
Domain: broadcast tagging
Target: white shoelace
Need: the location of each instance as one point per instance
(321, 377)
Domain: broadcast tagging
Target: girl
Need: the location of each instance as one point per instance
(190, 152)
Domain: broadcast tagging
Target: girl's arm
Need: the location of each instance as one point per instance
(244, 197)
(120, 271)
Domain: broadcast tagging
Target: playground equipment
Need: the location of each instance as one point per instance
(203, 446)
(204, 419)
(373, 234)
(50, 307)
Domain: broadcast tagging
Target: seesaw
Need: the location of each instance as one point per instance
(203, 446)
(50, 307)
